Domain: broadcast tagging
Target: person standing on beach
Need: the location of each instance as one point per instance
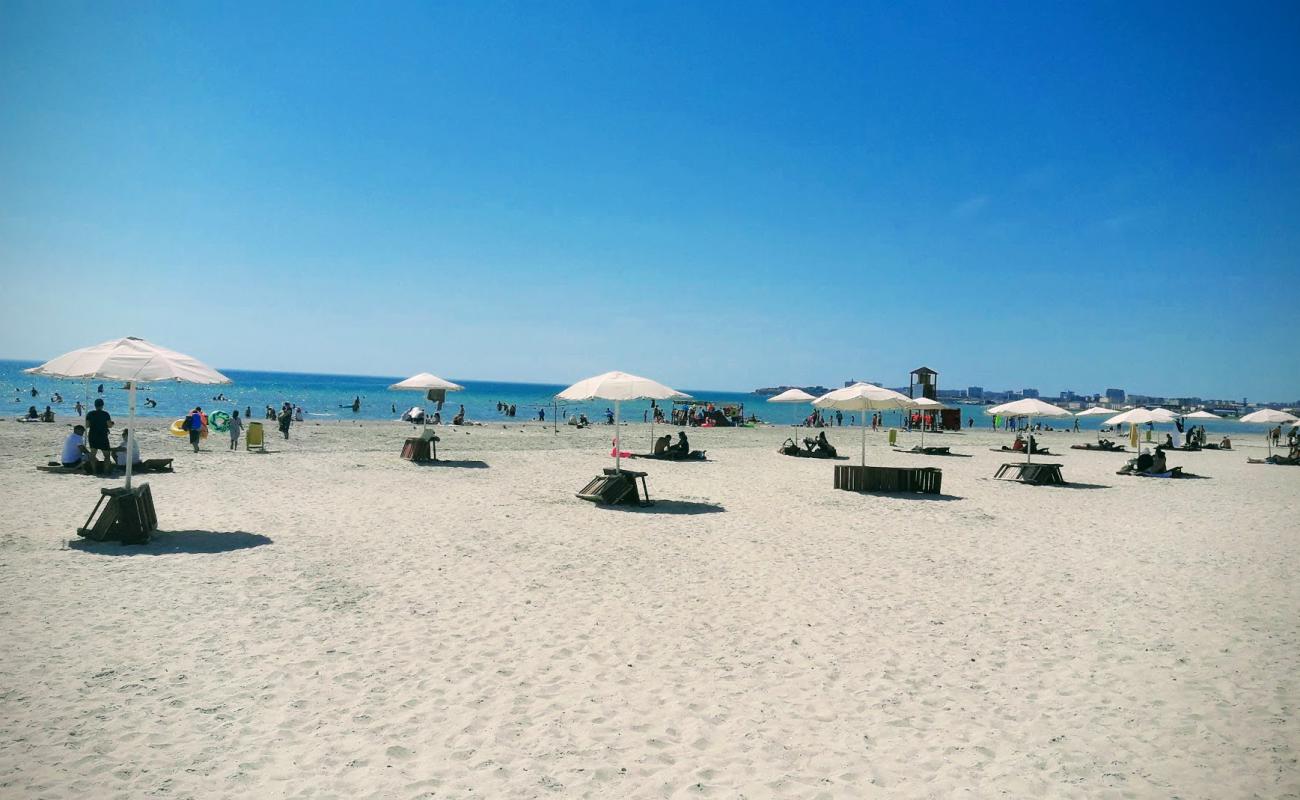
(97, 424)
(286, 417)
(236, 427)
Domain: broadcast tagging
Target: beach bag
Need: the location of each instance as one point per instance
(185, 423)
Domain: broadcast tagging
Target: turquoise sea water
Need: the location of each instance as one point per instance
(326, 397)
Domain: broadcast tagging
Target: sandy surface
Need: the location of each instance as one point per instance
(328, 620)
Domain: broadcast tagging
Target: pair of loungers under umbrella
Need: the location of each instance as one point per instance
(129, 515)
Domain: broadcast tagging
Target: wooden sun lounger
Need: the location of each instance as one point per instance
(1032, 473)
(925, 480)
(128, 517)
(616, 487)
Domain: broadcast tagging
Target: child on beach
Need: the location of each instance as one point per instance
(236, 426)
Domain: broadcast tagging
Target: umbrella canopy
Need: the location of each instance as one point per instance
(1095, 411)
(620, 386)
(863, 397)
(1268, 416)
(133, 360)
(129, 359)
(1029, 407)
(1141, 416)
(1203, 415)
(424, 382)
(792, 396)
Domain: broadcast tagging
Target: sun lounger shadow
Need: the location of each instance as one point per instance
(167, 542)
(943, 498)
(462, 463)
(943, 455)
(668, 507)
(1074, 485)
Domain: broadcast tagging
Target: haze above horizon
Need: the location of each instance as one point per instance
(1056, 197)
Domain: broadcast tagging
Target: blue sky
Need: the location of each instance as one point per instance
(1062, 196)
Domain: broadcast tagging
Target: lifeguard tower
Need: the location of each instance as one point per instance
(927, 380)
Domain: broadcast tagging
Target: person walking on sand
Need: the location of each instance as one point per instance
(236, 427)
(194, 425)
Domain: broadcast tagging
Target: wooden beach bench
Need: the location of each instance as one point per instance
(420, 450)
(128, 517)
(1036, 474)
(925, 480)
(617, 487)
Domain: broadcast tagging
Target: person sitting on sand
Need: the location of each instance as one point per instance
(74, 447)
(1158, 465)
(459, 419)
(1019, 443)
(1142, 463)
(1225, 443)
(32, 413)
(682, 446)
(48, 416)
(662, 444)
(119, 452)
(822, 446)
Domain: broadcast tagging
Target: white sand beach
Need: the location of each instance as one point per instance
(328, 620)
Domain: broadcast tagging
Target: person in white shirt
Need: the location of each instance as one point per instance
(236, 425)
(74, 447)
(119, 452)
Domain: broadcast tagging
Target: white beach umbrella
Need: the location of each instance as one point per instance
(1141, 416)
(792, 396)
(1029, 407)
(134, 361)
(924, 404)
(1269, 416)
(425, 382)
(1203, 415)
(1095, 411)
(620, 386)
(862, 397)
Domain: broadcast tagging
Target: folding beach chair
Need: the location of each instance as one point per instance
(255, 438)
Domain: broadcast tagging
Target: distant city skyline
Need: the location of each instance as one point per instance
(1022, 195)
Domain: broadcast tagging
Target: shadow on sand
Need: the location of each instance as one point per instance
(168, 542)
(935, 498)
(463, 464)
(669, 507)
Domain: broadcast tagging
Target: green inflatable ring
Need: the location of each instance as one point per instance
(219, 421)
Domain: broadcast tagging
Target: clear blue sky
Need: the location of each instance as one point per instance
(1055, 195)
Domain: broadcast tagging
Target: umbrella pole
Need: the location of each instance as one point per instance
(617, 454)
(1029, 451)
(130, 430)
(864, 437)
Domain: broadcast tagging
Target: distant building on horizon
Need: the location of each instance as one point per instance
(1115, 395)
(975, 392)
(1029, 393)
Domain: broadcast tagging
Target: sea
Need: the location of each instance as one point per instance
(330, 397)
